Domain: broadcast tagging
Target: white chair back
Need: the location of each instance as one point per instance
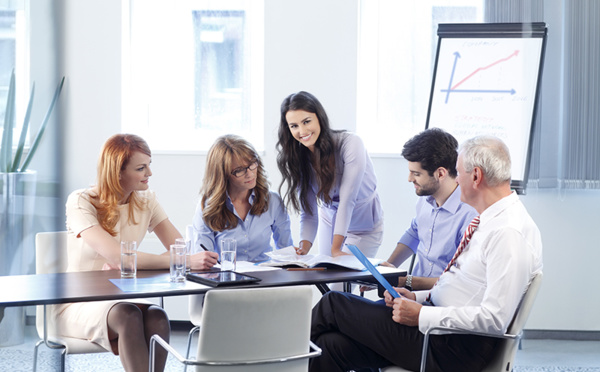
(51, 257)
(507, 348)
(502, 359)
(246, 325)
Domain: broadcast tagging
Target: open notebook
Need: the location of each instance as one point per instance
(287, 257)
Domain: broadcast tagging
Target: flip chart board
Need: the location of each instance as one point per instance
(486, 81)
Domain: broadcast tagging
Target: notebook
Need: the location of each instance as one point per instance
(365, 261)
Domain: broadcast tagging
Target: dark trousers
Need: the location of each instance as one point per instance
(355, 333)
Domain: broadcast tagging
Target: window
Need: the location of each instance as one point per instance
(7, 53)
(12, 57)
(398, 41)
(196, 72)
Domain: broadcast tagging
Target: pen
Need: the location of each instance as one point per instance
(206, 249)
(306, 268)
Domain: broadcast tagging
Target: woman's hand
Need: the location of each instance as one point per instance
(204, 260)
(337, 252)
(304, 247)
(108, 266)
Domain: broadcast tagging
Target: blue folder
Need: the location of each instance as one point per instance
(365, 261)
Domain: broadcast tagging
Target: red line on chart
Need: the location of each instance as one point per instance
(514, 54)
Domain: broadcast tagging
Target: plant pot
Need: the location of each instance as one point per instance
(17, 207)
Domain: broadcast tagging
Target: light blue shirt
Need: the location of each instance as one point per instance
(435, 232)
(356, 206)
(253, 235)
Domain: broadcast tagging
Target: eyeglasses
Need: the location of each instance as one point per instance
(241, 171)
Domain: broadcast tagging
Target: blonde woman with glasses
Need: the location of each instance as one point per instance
(236, 203)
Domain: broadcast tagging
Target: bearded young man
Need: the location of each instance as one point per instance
(441, 217)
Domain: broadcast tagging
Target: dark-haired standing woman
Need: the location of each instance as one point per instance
(330, 180)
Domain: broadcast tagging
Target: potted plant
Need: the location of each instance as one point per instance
(17, 198)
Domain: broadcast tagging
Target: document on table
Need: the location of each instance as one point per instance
(157, 283)
(287, 257)
(247, 267)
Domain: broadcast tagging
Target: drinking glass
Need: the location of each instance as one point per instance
(177, 259)
(188, 250)
(228, 254)
(128, 259)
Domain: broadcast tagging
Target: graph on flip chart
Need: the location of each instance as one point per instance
(486, 82)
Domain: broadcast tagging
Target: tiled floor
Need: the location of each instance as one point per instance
(536, 355)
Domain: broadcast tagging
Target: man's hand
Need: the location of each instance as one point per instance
(406, 311)
(389, 299)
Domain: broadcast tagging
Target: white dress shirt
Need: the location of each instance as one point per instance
(482, 291)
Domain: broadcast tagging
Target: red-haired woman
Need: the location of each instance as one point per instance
(120, 207)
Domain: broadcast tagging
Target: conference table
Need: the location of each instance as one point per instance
(44, 289)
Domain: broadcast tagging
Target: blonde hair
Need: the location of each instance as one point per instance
(114, 157)
(219, 165)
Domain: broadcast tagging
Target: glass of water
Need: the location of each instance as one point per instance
(128, 259)
(177, 267)
(228, 254)
(188, 250)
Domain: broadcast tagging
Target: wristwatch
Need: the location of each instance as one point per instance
(408, 283)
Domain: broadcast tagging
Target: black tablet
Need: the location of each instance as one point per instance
(221, 278)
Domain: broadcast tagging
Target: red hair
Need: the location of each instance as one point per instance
(115, 155)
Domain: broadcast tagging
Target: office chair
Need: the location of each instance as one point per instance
(258, 329)
(504, 355)
(51, 257)
(195, 304)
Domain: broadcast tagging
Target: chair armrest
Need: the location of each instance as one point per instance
(448, 330)
(157, 339)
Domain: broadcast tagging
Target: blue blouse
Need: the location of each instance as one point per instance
(253, 235)
(356, 205)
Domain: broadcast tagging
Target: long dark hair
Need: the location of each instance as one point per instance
(294, 159)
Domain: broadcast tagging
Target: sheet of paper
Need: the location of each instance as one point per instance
(248, 267)
(153, 284)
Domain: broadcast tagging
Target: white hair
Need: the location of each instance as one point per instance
(489, 154)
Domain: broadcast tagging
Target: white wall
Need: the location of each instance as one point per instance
(309, 45)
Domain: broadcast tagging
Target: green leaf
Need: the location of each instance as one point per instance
(38, 137)
(9, 118)
(24, 128)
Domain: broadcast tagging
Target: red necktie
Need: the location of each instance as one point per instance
(461, 246)
(463, 243)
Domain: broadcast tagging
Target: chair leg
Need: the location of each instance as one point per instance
(63, 357)
(348, 287)
(35, 354)
(189, 344)
(51, 346)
